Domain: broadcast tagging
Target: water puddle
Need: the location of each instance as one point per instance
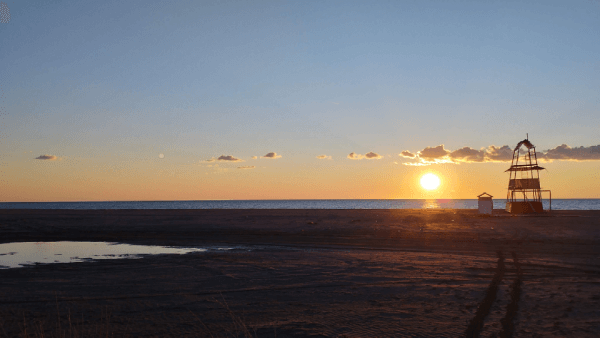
(15, 255)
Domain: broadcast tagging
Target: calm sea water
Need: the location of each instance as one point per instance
(558, 204)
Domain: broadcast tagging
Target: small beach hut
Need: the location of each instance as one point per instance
(485, 204)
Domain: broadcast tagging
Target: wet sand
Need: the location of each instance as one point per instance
(305, 273)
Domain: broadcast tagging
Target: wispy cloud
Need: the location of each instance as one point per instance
(47, 157)
(407, 154)
(254, 157)
(272, 156)
(369, 156)
(247, 167)
(417, 164)
(324, 157)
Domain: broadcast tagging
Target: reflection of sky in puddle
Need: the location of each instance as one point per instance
(14, 255)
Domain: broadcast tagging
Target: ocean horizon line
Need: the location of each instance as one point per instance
(283, 199)
(437, 203)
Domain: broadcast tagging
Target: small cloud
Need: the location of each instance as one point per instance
(272, 156)
(324, 157)
(498, 154)
(161, 155)
(355, 156)
(247, 167)
(429, 155)
(373, 156)
(468, 154)
(335, 102)
(47, 157)
(433, 153)
(209, 160)
(229, 158)
(254, 157)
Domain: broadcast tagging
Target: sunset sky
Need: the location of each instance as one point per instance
(153, 100)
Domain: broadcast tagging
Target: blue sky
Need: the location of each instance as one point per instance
(125, 80)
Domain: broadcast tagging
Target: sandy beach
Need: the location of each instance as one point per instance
(310, 273)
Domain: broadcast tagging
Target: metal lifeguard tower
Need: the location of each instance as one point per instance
(524, 193)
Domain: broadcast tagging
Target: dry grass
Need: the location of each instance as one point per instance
(70, 327)
(61, 329)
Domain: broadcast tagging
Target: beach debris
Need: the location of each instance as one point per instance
(524, 193)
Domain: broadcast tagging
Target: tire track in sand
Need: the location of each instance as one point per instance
(508, 326)
(476, 324)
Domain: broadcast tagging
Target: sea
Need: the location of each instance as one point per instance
(557, 204)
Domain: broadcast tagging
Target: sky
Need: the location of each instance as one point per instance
(202, 100)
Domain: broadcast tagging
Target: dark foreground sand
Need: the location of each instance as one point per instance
(304, 273)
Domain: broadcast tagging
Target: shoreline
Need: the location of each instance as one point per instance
(323, 204)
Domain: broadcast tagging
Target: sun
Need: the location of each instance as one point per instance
(430, 181)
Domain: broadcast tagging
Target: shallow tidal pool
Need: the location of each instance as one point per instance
(19, 254)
